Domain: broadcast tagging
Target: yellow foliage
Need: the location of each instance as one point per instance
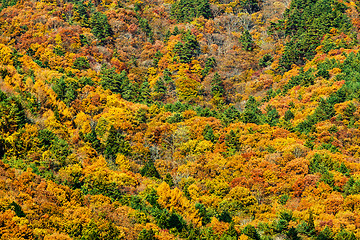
(82, 120)
(218, 227)
(5, 55)
(244, 237)
(60, 194)
(242, 195)
(53, 124)
(194, 191)
(352, 202)
(173, 199)
(57, 236)
(122, 162)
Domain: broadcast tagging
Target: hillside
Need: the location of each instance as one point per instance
(180, 119)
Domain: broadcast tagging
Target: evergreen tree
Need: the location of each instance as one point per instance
(145, 96)
(304, 24)
(100, 27)
(310, 225)
(288, 115)
(149, 170)
(187, 10)
(273, 116)
(92, 138)
(252, 114)
(292, 234)
(208, 133)
(17, 209)
(187, 50)
(169, 180)
(115, 144)
(217, 86)
(81, 63)
(325, 234)
(160, 90)
(146, 235)
(230, 115)
(247, 41)
(251, 232)
(205, 217)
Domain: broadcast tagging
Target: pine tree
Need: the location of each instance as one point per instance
(217, 86)
(247, 41)
(310, 225)
(100, 27)
(288, 115)
(169, 180)
(115, 144)
(149, 170)
(251, 232)
(208, 133)
(187, 10)
(252, 113)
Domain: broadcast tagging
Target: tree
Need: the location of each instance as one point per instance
(187, 10)
(100, 27)
(252, 113)
(325, 234)
(288, 115)
(247, 41)
(81, 63)
(145, 27)
(149, 170)
(266, 60)
(160, 90)
(208, 133)
(146, 235)
(251, 232)
(187, 50)
(145, 96)
(115, 144)
(118, 83)
(303, 24)
(169, 180)
(292, 234)
(217, 86)
(273, 116)
(310, 225)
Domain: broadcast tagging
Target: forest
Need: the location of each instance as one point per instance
(179, 120)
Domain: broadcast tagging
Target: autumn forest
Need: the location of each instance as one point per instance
(179, 119)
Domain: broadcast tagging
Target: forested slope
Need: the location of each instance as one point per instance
(179, 119)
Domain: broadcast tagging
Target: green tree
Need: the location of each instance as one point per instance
(145, 96)
(145, 27)
(288, 115)
(247, 41)
(310, 225)
(187, 10)
(149, 170)
(81, 63)
(325, 234)
(159, 90)
(305, 23)
(251, 232)
(187, 50)
(100, 27)
(208, 133)
(252, 113)
(272, 116)
(217, 86)
(266, 60)
(169, 180)
(115, 144)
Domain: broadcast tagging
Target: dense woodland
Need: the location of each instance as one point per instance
(179, 119)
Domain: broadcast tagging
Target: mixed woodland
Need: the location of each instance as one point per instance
(179, 119)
